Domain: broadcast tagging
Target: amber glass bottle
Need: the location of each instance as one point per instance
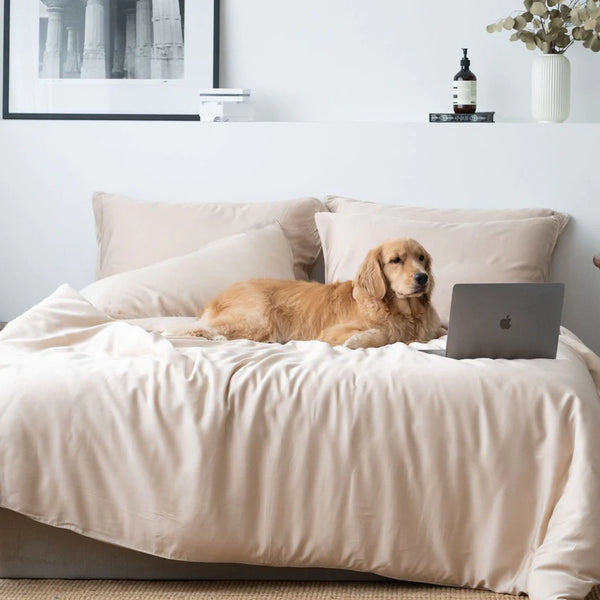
(465, 88)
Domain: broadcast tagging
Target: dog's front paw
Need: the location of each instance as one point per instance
(351, 343)
(371, 338)
(356, 341)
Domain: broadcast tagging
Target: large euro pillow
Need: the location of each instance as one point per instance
(339, 204)
(133, 234)
(181, 286)
(508, 251)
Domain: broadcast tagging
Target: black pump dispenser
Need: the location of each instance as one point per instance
(465, 63)
(465, 88)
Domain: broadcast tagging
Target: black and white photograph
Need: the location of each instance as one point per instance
(116, 39)
(109, 58)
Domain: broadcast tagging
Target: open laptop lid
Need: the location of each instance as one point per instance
(505, 320)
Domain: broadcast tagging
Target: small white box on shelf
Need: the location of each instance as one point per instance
(225, 104)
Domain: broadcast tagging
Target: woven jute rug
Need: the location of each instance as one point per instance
(58, 589)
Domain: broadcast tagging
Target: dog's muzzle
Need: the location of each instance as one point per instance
(421, 279)
(420, 284)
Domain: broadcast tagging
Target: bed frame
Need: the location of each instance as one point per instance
(32, 550)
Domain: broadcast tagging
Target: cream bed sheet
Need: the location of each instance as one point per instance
(475, 473)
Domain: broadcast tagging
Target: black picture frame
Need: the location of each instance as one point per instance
(8, 114)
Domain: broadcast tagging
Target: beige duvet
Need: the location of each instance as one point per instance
(475, 473)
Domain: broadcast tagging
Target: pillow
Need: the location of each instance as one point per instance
(133, 234)
(181, 286)
(339, 204)
(493, 251)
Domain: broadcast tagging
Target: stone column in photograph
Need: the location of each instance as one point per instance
(130, 43)
(118, 62)
(52, 58)
(79, 47)
(94, 45)
(167, 52)
(71, 66)
(143, 35)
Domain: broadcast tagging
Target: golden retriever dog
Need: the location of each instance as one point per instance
(388, 301)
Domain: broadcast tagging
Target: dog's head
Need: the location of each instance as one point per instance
(398, 267)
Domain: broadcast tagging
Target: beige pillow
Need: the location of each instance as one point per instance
(338, 204)
(181, 286)
(493, 251)
(133, 234)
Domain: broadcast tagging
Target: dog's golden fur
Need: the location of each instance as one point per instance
(388, 301)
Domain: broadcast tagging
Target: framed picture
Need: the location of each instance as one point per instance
(109, 59)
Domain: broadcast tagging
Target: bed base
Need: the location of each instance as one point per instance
(32, 550)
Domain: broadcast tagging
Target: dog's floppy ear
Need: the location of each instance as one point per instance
(370, 276)
(431, 282)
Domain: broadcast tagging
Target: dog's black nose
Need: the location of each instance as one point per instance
(421, 278)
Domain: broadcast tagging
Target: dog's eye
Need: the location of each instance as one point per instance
(421, 258)
(396, 260)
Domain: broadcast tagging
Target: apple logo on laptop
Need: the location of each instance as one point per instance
(505, 323)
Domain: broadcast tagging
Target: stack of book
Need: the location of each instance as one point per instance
(477, 117)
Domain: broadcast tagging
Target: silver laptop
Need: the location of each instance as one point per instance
(504, 320)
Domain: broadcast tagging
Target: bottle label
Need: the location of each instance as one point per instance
(465, 93)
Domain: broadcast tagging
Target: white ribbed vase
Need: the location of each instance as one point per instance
(551, 88)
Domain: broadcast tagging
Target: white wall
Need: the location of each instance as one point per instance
(318, 61)
(384, 60)
(50, 170)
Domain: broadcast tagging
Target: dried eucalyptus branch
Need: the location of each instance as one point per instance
(554, 25)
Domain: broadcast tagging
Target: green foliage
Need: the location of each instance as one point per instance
(554, 25)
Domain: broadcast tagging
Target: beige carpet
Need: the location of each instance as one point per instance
(56, 589)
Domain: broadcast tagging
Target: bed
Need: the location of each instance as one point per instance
(200, 454)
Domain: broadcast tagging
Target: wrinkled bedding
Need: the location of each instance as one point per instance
(477, 473)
